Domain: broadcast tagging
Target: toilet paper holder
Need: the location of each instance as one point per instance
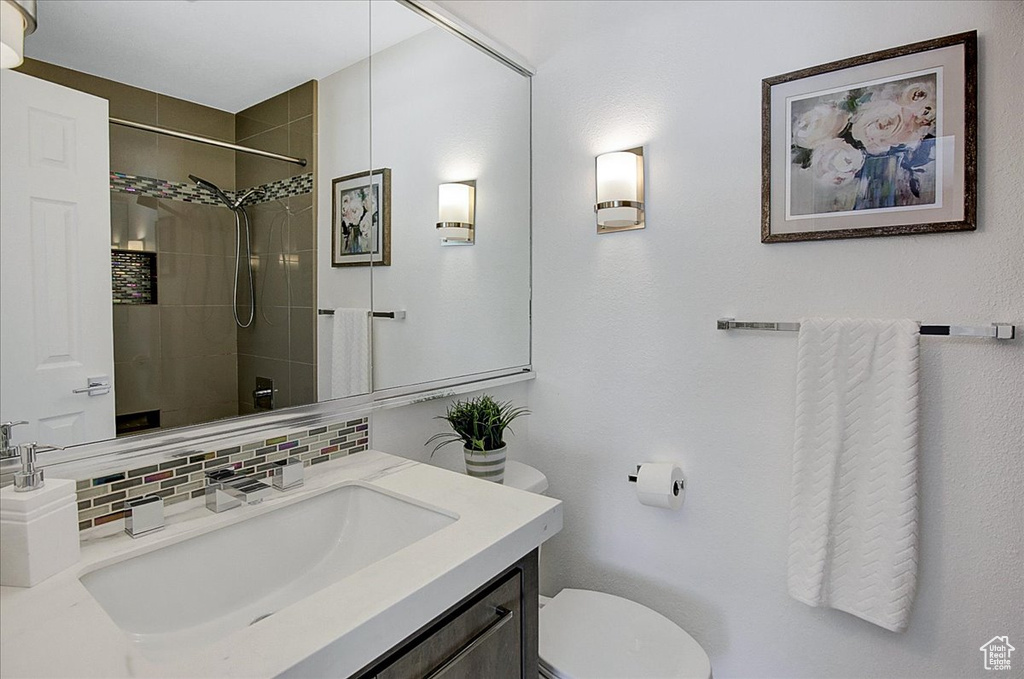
(677, 486)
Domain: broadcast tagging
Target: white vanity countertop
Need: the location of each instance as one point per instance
(57, 629)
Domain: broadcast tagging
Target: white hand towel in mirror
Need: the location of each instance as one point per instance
(350, 360)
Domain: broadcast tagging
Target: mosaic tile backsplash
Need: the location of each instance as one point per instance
(284, 188)
(134, 277)
(101, 499)
(191, 193)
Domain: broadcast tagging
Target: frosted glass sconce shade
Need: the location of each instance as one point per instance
(456, 213)
(620, 191)
(17, 19)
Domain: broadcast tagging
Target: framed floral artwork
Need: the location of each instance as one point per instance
(882, 144)
(361, 219)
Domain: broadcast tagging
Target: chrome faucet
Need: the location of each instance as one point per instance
(226, 489)
(6, 449)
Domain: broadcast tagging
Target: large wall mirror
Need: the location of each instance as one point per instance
(157, 276)
(449, 144)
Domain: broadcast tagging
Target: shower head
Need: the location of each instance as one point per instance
(212, 188)
(245, 196)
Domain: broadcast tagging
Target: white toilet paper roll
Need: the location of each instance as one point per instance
(660, 484)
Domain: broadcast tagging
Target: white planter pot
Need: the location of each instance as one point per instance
(488, 464)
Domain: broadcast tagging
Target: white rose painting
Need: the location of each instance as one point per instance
(879, 144)
(867, 147)
(361, 210)
(359, 220)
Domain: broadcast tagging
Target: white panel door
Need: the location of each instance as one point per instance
(56, 328)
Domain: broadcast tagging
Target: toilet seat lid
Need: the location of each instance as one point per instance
(586, 634)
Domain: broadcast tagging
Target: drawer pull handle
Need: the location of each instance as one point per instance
(504, 616)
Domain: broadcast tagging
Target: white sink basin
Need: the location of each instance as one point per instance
(203, 588)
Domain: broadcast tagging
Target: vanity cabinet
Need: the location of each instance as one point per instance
(491, 633)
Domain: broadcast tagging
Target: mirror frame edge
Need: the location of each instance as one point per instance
(118, 454)
(458, 27)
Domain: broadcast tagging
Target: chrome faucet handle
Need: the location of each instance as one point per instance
(144, 515)
(289, 473)
(6, 449)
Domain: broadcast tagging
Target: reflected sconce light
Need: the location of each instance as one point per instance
(17, 19)
(456, 213)
(620, 191)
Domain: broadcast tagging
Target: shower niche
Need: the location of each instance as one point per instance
(133, 277)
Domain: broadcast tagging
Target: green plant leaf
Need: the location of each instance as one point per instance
(479, 423)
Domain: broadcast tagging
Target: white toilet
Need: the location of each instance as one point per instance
(590, 635)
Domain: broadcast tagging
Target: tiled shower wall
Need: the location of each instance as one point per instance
(280, 344)
(178, 356)
(101, 499)
(184, 356)
(191, 193)
(146, 154)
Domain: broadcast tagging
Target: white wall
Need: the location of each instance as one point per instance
(445, 112)
(441, 111)
(631, 368)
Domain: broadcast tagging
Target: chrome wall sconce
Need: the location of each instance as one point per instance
(17, 19)
(456, 213)
(620, 191)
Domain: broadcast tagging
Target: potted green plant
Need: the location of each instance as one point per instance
(480, 424)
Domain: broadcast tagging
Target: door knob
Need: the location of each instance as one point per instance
(97, 386)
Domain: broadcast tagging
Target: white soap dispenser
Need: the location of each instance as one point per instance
(38, 524)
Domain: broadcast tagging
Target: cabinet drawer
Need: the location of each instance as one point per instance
(483, 640)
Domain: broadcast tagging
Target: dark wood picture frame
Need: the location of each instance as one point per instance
(965, 143)
(339, 226)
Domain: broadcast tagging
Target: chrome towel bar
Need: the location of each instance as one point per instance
(398, 315)
(1000, 331)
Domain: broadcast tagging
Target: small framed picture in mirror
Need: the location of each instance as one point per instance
(361, 219)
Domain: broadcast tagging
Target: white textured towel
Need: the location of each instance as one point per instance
(350, 360)
(853, 519)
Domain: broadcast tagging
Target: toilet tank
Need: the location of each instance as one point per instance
(525, 477)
